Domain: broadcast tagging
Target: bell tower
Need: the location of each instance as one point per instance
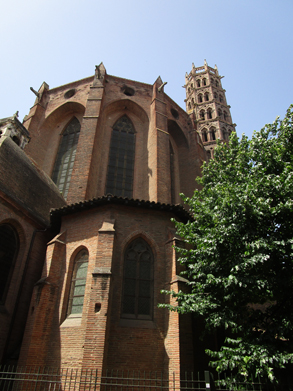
(206, 104)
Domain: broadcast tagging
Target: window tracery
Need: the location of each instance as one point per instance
(121, 159)
(137, 297)
(78, 282)
(66, 155)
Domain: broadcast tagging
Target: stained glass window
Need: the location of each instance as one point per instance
(121, 159)
(8, 253)
(78, 282)
(65, 156)
(137, 302)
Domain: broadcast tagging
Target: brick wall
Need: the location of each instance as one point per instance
(98, 107)
(102, 339)
(26, 272)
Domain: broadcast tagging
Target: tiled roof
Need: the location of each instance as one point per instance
(177, 209)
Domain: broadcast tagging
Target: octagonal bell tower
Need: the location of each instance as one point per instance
(206, 104)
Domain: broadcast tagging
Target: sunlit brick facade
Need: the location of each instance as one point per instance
(90, 265)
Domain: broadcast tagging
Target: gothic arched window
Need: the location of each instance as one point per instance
(9, 244)
(225, 134)
(65, 157)
(198, 83)
(209, 113)
(206, 96)
(204, 135)
(121, 159)
(137, 298)
(213, 134)
(78, 281)
(199, 98)
(202, 114)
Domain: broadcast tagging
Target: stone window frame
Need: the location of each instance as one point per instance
(209, 113)
(202, 115)
(204, 134)
(213, 133)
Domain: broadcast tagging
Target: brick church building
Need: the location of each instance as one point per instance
(89, 183)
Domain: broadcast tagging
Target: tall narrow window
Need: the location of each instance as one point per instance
(204, 135)
(8, 252)
(137, 301)
(65, 156)
(78, 281)
(213, 134)
(226, 134)
(121, 159)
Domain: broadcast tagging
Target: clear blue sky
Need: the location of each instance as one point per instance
(59, 41)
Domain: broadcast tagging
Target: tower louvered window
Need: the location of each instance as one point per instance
(66, 156)
(8, 252)
(137, 302)
(121, 159)
(78, 282)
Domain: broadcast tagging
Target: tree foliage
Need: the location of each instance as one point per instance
(240, 265)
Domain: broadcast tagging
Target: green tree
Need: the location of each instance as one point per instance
(240, 258)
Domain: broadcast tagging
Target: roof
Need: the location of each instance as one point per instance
(178, 210)
(25, 185)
